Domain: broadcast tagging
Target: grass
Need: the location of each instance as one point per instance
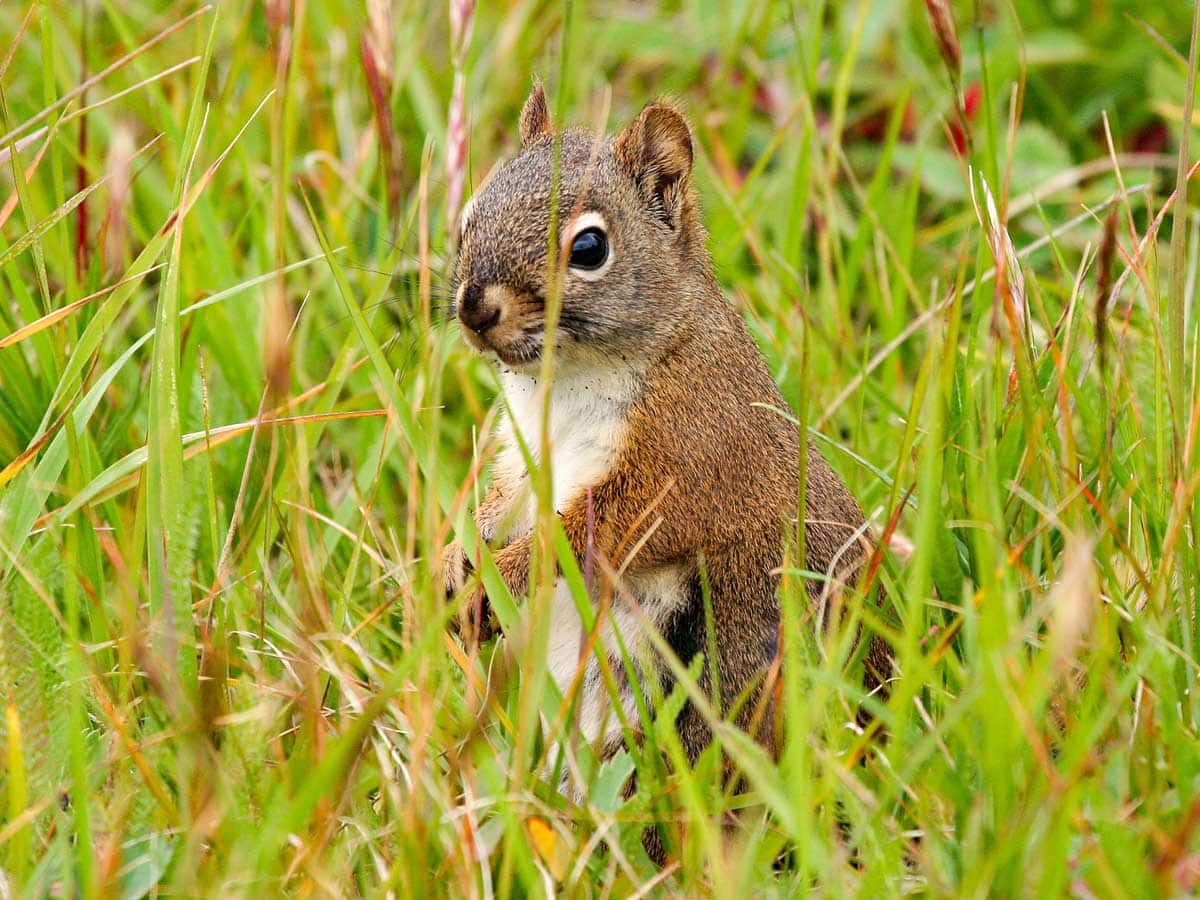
(235, 432)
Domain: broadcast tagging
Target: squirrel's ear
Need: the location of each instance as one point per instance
(656, 151)
(535, 117)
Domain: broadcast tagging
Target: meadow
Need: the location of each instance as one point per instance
(237, 427)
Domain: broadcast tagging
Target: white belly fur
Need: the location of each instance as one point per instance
(656, 594)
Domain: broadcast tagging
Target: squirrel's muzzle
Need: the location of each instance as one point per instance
(498, 319)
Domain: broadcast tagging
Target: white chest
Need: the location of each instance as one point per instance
(587, 423)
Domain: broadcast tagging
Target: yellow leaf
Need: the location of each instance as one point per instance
(551, 850)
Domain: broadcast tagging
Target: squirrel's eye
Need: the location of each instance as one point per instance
(589, 250)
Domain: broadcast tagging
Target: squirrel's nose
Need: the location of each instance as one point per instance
(479, 317)
(476, 312)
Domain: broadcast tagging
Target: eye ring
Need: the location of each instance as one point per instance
(588, 246)
(589, 249)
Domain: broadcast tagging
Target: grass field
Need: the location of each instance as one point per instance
(236, 430)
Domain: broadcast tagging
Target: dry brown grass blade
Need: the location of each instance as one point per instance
(38, 325)
(885, 539)
(1104, 261)
(16, 41)
(376, 51)
(28, 815)
(345, 532)
(14, 198)
(26, 456)
(205, 440)
(468, 670)
(1177, 844)
(193, 194)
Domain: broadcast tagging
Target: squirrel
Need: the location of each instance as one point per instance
(670, 460)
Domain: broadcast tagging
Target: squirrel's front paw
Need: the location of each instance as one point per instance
(475, 619)
(456, 568)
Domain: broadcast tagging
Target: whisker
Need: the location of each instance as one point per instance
(369, 269)
(439, 306)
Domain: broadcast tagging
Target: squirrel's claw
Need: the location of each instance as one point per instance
(476, 620)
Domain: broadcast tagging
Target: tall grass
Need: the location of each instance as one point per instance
(236, 432)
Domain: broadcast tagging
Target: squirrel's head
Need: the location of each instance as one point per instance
(630, 251)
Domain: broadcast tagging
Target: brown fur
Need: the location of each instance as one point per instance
(702, 445)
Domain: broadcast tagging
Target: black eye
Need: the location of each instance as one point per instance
(589, 250)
